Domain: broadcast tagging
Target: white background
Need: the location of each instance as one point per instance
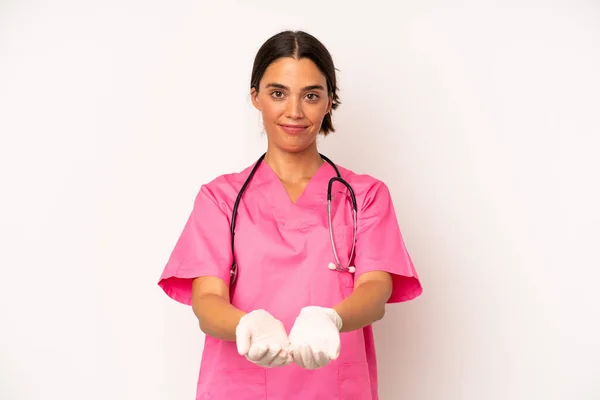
(482, 120)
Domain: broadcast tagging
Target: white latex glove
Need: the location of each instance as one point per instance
(315, 337)
(262, 339)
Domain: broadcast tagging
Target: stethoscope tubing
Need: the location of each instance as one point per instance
(338, 266)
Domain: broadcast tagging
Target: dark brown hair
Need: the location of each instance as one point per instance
(298, 44)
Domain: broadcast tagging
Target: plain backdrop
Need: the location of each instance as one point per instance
(483, 119)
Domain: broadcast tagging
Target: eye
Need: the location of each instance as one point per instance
(312, 97)
(277, 94)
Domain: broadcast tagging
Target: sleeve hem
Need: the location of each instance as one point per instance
(405, 287)
(179, 287)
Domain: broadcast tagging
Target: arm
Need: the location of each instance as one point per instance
(211, 305)
(367, 302)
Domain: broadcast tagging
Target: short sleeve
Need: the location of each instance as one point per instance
(203, 249)
(380, 246)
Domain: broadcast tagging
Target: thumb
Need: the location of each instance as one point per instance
(242, 339)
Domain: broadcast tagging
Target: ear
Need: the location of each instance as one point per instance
(254, 96)
(330, 104)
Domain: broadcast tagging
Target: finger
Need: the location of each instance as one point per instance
(321, 359)
(304, 357)
(310, 360)
(242, 339)
(290, 358)
(290, 353)
(283, 358)
(297, 356)
(257, 352)
(271, 354)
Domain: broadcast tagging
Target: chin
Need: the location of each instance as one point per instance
(292, 144)
(293, 149)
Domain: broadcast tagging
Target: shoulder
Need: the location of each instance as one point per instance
(362, 182)
(367, 188)
(223, 189)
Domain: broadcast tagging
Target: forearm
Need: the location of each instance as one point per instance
(364, 306)
(217, 317)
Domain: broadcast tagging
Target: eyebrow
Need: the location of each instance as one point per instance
(304, 89)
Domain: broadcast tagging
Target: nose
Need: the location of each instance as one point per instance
(294, 109)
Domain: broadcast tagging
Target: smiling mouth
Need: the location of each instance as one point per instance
(293, 129)
(293, 126)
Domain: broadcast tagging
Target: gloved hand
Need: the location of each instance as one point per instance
(315, 337)
(262, 339)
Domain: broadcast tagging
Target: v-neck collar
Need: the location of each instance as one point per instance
(313, 195)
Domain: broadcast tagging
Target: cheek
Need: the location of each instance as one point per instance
(272, 111)
(316, 114)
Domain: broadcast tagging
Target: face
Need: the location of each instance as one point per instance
(293, 100)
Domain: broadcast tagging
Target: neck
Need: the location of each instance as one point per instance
(294, 167)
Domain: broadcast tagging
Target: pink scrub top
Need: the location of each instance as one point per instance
(283, 249)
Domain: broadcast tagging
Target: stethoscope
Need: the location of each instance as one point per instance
(337, 266)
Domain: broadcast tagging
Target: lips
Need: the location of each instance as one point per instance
(293, 129)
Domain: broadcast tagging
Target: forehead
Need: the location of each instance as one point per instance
(293, 73)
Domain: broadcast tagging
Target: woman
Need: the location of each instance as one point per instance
(290, 325)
